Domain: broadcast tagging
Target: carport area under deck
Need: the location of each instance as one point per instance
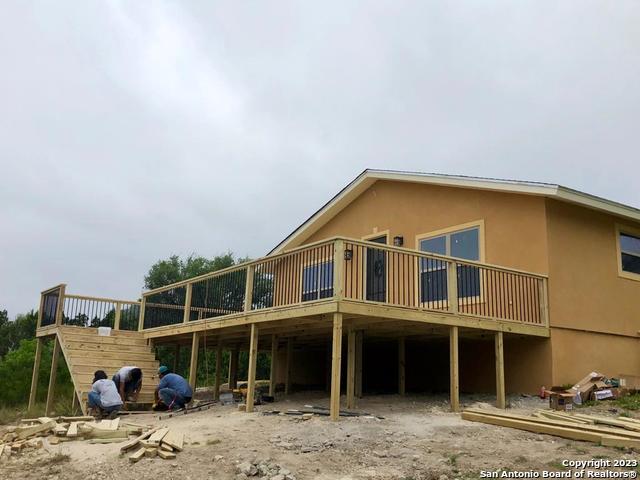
(356, 349)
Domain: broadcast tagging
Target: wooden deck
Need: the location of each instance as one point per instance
(313, 293)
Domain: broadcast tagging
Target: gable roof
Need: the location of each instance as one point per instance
(368, 177)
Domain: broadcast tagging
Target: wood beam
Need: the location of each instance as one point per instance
(253, 354)
(401, 365)
(287, 372)
(351, 368)
(501, 401)
(454, 379)
(193, 365)
(52, 377)
(274, 365)
(35, 374)
(335, 366)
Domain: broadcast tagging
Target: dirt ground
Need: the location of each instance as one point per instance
(417, 439)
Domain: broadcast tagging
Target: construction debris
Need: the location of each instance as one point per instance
(31, 432)
(594, 386)
(613, 432)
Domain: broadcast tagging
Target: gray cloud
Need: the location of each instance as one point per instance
(133, 130)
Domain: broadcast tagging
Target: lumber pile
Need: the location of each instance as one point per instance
(618, 432)
(157, 442)
(32, 432)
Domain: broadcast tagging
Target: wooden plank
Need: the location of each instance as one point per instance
(166, 455)
(174, 439)
(501, 401)
(186, 317)
(555, 416)
(132, 443)
(158, 435)
(351, 367)
(611, 422)
(35, 374)
(603, 430)
(401, 366)
(336, 360)
(106, 440)
(253, 355)
(73, 430)
(248, 291)
(52, 377)
(135, 457)
(454, 376)
(274, 365)
(452, 286)
(25, 432)
(193, 365)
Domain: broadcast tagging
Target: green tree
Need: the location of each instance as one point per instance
(175, 269)
(12, 332)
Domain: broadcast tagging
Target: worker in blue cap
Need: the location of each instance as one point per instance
(173, 392)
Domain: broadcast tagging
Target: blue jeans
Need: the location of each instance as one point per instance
(94, 402)
(172, 399)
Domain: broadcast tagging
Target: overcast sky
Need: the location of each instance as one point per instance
(130, 131)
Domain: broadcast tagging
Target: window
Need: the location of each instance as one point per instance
(463, 244)
(630, 253)
(317, 281)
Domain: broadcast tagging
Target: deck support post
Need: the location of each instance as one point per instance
(351, 368)
(216, 389)
(193, 365)
(336, 359)
(274, 365)
(253, 354)
(233, 367)
(454, 377)
(500, 389)
(287, 372)
(52, 377)
(359, 341)
(35, 374)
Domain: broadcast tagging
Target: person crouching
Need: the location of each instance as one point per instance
(104, 398)
(173, 392)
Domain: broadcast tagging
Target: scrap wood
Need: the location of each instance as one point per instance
(134, 457)
(559, 423)
(73, 430)
(557, 416)
(106, 440)
(76, 419)
(185, 411)
(150, 452)
(101, 433)
(166, 455)
(24, 432)
(573, 432)
(612, 421)
(158, 436)
(174, 439)
(132, 443)
(60, 429)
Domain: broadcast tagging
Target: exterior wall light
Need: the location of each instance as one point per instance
(398, 241)
(348, 254)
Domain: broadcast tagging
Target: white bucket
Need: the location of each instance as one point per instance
(104, 331)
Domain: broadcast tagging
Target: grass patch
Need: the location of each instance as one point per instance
(453, 459)
(630, 402)
(557, 464)
(14, 414)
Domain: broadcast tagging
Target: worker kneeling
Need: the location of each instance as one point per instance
(173, 391)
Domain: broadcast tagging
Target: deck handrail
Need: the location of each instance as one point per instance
(333, 268)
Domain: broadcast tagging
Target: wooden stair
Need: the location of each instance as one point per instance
(85, 352)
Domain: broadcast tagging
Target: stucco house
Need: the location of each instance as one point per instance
(436, 283)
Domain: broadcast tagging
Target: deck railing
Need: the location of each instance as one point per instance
(59, 308)
(329, 270)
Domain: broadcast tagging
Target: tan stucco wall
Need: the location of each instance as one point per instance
(515, 232)
(587, 294)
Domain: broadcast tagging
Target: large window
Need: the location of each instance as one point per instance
(630, 253)
(317, 281)
(463, 244)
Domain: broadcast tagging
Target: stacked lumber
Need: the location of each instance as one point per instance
(611, 432)
(157, 442)
(32, 431)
